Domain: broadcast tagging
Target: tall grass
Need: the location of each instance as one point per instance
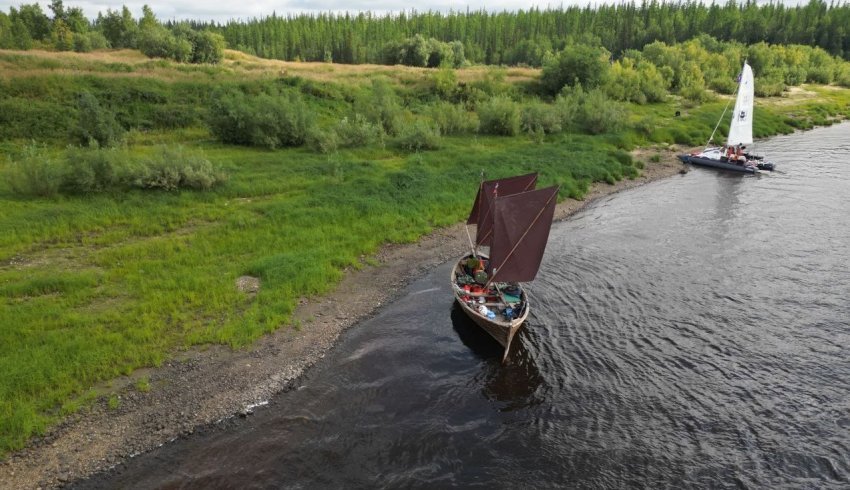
(95, 286)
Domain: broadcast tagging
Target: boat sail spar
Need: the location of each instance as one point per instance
(733, 155)
(513, 221)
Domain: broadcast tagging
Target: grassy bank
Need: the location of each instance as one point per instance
(97, 284)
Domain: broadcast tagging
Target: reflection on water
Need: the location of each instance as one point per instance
(689, 333)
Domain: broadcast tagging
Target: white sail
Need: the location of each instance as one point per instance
(741, 128)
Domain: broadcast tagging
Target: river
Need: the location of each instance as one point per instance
(693, 332)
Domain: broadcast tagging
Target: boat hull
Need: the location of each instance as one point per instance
(710, 162)
(502, 330)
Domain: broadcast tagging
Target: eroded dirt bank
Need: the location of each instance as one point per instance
(201, 387)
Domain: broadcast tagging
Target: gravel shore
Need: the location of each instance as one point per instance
(204, 386)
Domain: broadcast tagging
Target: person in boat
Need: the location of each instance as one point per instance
(739, 154)
(723, 153)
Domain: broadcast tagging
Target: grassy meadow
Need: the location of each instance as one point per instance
(98, 281)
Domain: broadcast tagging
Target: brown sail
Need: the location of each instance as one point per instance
(482, 209)
(520, 232)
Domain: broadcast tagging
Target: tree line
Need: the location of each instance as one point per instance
(527, 36)
(28, 27)
(524, 37)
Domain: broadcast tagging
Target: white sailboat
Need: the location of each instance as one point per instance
(733, 155)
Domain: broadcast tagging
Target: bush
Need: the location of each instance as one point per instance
(599, 114)
(723, 85)
(263, 120)
(182, 44)
(97, 125)
(418, 136)
(358, 131)
(694, 94)
(85, 171)
(322, 141)
(769, 86)
(82, 43)
(492, 83)
(499, 116)
(174, 168)
(157, 42)
(35, 173)
(419, 51)
(842, 77)
(567, 108)
(537, 118)
(381, 106)
(89, 171)
(445, 83)
(576, 64)
(453, 119)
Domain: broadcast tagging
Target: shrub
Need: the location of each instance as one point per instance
(445, 83)
(537, 117)
(769, 86)
(322, 141)
(453, 119)
(157, 42)
(599, 114)
(358, 131)
(84, 171)
(97, 125)
(576, 64)
(499, 116)
(82, 42)
(492, 83)
(418, 136)
(174, 168)
(88, 171)
(35, 173)
(381, 106)
(567, 107)
(693, 94)
(723, 85)
(263, 120)
(842, 77)
(419, 51)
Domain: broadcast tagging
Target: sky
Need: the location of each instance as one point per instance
(224, 10)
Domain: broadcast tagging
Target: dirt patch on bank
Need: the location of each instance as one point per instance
(201, 387)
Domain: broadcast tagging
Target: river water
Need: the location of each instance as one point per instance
(694, 332)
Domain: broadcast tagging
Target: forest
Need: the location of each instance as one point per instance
(524, 37)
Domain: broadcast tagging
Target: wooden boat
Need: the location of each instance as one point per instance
(732, 156)
(513, 221)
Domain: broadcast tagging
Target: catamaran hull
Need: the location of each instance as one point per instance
(503, 331)
(710, 162)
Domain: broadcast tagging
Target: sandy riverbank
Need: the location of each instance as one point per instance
(201, 387)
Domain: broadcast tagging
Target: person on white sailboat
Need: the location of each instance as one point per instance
(739, 154)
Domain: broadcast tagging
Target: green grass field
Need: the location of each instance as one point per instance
(93, 286)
